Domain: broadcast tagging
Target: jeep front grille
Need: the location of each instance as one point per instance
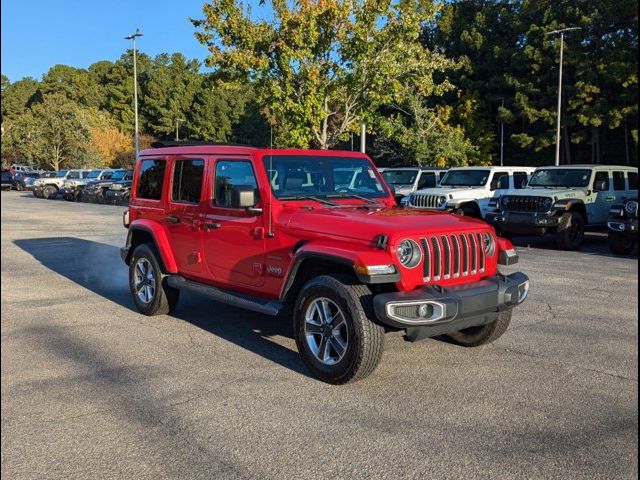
(453, 256)
(518, 203)
(425, 201)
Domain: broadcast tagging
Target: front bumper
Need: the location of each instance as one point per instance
(523, 222)
(115, 196)
(432, 311)
(624, 225)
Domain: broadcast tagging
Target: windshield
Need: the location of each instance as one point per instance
(466, 178)
(118, 175)
(61, 173)
(560, 177)
(400, 177)
(303, 175)
(94, 174)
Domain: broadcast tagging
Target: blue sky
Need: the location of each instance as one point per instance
(38, 34)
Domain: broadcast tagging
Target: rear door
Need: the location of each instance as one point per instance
(233, 238)
(182, 214)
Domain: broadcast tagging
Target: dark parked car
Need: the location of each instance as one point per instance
(95, 191)
(623, 227)
(118, 193)
(24, 180)
(7, 182)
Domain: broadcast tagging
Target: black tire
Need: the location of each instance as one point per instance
(19, 187)
(467, 211)
(69, 198)
(365, 337)
(49, 192)
(36, 193)
(621, 244)
(476, 336)
(164, 298)
(570, 232)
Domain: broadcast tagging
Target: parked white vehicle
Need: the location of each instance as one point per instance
(471, 191)
(50, 186)
(405, 180)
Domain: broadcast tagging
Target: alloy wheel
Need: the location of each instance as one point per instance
(325, 330)
(144, 280)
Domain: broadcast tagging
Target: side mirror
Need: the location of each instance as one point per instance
(243, 196)
(600, 186)
(393, 190)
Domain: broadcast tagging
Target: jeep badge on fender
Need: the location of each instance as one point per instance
(334, 247)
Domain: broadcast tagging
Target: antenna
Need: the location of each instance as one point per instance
(269, 173)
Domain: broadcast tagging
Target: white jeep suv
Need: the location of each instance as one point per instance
(471, 191)
(405, 180)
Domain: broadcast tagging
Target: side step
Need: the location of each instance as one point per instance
(255, 304)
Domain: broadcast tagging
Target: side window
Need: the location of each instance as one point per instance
(187, 181)
(500, 181)
(73, 175)
(603, 177)
(633, 180)
(229, 174)
(107, 175)
(427, 180)
(85, 173)
(618, 181)
(150, 179)
(520, 180)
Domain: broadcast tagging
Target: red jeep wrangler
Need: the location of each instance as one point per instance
(317, 231)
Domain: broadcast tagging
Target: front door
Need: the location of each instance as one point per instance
(233, 238)
(182, 215)
(598, 211)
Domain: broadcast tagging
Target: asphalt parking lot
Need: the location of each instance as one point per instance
(92, 389)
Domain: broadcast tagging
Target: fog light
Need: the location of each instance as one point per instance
(425, 311)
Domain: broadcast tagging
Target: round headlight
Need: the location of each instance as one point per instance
(631, 207)
(504, 201)
(409, 253)
(442, 201)
(547, 203)
(489, 244)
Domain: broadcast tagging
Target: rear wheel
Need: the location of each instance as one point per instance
(570, 233)
(334, 329)
(621, 244)
(149, 289)
(483, 334)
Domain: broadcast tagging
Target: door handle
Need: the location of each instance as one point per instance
(610, 199)
(172, 219)
(206, 226)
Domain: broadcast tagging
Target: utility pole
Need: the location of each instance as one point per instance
(363, 137)
(178, 120)
(502, 137)
(559, 111)
(138, 33)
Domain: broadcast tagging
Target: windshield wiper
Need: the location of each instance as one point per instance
(353, 195)
(308, 197)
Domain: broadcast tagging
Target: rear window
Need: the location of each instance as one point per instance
(427, 180)
(150, 179)
(633, 180)
(187, 181)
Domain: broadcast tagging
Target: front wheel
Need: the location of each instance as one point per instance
(149, 289)
(570, 233)
(49, 192)
(621, 244)
(334, 329)
(483, 334)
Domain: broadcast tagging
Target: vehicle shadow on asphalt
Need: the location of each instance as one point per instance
(594, 244)
(97, 267)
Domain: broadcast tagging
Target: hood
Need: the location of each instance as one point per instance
(454, 193)
(555, 193)
(367, 223)
(403, 189)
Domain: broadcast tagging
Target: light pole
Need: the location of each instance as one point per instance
(138, 33)
(562, 31)
(501, 135)
(178, 120)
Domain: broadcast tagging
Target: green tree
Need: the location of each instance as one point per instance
(322, 67)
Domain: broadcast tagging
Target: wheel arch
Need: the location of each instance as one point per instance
(148, 232)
